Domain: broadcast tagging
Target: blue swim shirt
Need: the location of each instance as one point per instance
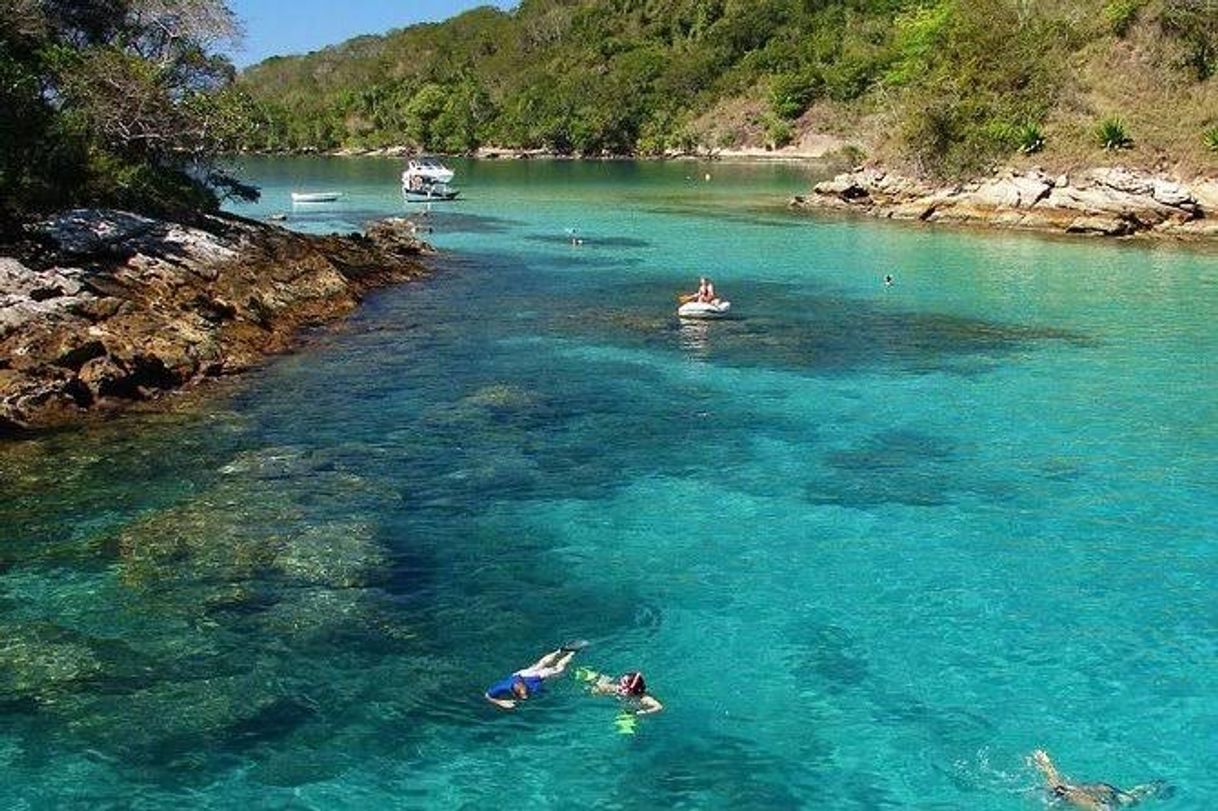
(503, 687)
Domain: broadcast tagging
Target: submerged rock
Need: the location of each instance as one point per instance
(339, 555)
(40, 662)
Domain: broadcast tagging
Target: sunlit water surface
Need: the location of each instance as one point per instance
(871, 545)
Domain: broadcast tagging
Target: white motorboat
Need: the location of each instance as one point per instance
(426, 179)
(704, 309)
(316, 196)
(428, 168)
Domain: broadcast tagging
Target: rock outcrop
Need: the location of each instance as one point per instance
(1103, 201)
(110, 308)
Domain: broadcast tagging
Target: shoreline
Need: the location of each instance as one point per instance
(1109, 201)
(827, 149)
(105, 311)
(1114, 202)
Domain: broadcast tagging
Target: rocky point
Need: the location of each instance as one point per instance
(102, 309)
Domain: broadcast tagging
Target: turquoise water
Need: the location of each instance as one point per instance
(871, 545)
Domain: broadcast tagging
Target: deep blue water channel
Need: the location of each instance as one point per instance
(870, 544)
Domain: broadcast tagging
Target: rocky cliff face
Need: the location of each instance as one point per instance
(107, 308)
(1105, 201)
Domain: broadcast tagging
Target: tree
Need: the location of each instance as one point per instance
(117, 102)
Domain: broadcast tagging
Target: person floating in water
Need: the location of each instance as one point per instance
(629, 688)
(888, 280)
(1093, 796)
(528, 682)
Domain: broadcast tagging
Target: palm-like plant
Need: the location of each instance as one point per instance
(1029, 138)
(1210, 137)
(1112, 134)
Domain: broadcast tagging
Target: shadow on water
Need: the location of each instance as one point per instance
(589, 240)
(899, 467)
(461, 222)
(757, 215)
(904, 467)
(338, 217)
(829, 661)
(814, 332)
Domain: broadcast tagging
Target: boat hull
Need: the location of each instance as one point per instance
(416, 196)
(704, 309)
(315, 197)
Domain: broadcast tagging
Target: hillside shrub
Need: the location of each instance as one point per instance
(778, 133)
(1210, 138)
(1122, 14)
(1029, 139)
(791, 93)
(1111, 134)
(1194, 23)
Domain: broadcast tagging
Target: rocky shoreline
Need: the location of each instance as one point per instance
(1115, 202)
(101, 310)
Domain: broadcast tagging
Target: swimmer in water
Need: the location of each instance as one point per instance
(629, 688)
(527, 682)
(1092, 796)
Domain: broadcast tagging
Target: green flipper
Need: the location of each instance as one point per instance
(625, 723)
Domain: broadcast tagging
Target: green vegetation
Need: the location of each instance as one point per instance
(115, 102)
(1122, 14)
(1028, 139)
(1195, 24)
(950, 86)
(1111, 134)
(1210, 139)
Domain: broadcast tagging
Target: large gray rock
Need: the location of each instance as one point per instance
(1010, 191)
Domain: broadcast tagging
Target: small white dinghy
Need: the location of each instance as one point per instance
(704, 309)
(315, 196)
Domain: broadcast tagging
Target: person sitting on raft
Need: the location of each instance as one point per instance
(629, 688)
(705, 295)
(527, 682)
(1092, 796)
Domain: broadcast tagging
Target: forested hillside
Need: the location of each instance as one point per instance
(945, 86)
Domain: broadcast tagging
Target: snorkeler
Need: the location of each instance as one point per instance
(527, 682)
(1093, 796)
(629, 688)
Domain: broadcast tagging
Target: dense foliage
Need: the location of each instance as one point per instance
(961, 82)
(116, 102)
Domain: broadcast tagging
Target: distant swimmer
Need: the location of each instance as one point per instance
(525, 683)
(629, 688)
(1093, 796)
(888, 280)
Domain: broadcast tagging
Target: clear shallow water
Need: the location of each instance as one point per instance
(870, 545)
